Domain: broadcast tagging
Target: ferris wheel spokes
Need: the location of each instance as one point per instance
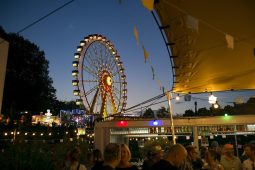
(94, 101)
(91, 90)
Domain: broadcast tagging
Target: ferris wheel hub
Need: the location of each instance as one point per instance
(109, 81)
(106, 81)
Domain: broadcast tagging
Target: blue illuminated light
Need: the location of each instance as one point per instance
(155, 123)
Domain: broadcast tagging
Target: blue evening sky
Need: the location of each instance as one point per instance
(59, 34)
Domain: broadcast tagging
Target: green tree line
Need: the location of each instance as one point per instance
(247, 108)
(28, 86)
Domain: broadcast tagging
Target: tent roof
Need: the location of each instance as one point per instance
(202, 30)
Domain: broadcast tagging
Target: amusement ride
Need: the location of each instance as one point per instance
(99, 78)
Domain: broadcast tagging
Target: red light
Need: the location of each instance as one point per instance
(122, 123)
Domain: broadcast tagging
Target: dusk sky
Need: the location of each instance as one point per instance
(59, 34)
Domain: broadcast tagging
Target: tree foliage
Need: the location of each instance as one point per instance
(163, 113)
(148, 113)
(189, 113)
(237, 109)
(27, 82)
(67, 105)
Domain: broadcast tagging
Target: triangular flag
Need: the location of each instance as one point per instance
(153, 73)
(230, 41)
(159, 83)
(192, 23)
(136, 35)
(148, 4)
(145, 54)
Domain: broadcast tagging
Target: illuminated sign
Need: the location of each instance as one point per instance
(72, 112)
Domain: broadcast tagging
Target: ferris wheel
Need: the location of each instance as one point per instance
(99, 79)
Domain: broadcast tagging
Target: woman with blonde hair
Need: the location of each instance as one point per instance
(125, 158)
(211, 161)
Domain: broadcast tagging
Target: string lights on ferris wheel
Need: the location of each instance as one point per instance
(96, 76)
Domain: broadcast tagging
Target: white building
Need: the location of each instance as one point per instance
(196, 129)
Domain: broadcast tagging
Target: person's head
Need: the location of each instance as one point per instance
(125, 153)
(176, 155)
(228, 150)
(210, 155)
(249, 150)
(214, 144)
(192, 153)
(112, 154)
(203, 150)
(156, 152)
(74, 155)
(97, 155)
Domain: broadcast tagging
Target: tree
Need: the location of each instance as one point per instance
(28, 86)
(251, 100)
(203, 112)
(216, 111)
(189, 113)
(228, 109)
(238, 109)
(162, 112)
(148, 113)
(67, 105)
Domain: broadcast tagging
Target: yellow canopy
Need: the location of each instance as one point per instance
(214, 43)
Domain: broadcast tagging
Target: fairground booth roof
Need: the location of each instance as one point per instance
(211, 42)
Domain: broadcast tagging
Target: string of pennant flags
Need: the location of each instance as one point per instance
(191, 23)
(149, 5)
(146, 57)
(141, 46)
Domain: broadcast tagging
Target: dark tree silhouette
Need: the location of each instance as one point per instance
(251, 101)
(148, 113)
(28, 86)
(237, 109)
(189, 113)
(162, 113)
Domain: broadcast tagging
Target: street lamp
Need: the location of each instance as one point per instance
(212, 99)
(177, 98)
(216, 105)
(169, 96)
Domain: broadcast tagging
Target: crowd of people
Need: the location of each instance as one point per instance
(173, 157)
